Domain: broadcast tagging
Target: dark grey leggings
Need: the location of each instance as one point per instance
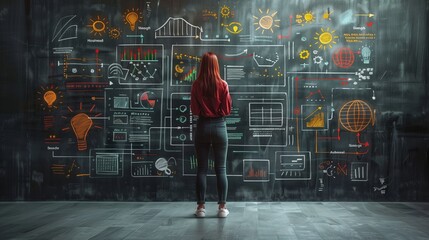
(211, 132)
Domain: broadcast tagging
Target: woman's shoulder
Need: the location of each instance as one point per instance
(224, 83)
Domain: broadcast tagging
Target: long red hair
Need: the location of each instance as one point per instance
(209, 75)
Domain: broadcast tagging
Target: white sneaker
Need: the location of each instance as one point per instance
(200, 213)
(222, 213)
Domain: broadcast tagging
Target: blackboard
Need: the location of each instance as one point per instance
(329, 99)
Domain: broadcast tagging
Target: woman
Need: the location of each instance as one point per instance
(211, 102)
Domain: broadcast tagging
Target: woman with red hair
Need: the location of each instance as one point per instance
(211, 102)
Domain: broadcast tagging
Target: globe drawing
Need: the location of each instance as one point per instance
(343, 57)
(355, 115)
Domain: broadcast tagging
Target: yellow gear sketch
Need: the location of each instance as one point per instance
(304, 54)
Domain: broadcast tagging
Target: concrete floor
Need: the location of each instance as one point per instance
(247, 220)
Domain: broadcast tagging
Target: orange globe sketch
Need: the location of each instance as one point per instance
(355, 115)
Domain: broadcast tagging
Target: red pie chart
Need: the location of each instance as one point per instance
(148, 99)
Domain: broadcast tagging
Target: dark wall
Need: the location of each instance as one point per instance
(329, 99)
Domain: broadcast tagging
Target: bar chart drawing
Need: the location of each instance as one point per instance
(141, 169)
(314, 117)
(139, 64)
(359, 171)
(256, 170)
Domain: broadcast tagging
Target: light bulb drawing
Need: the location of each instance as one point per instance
(50, 97)
(81, 123)
(132, 17)
(366, 54)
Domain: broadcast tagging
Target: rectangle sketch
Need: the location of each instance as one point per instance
(256, 170)
(293, 165)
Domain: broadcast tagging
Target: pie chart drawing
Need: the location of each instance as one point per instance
(148, 99)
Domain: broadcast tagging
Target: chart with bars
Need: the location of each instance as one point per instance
(138, 64)
(142, 169)
(359, 171)
(256, 170)
(314, 117)
(240, 65)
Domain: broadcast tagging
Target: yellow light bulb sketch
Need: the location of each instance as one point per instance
(131, 17)
(266, 21)
(327, 15)
(81, 123)
(50, 97)
(325, 38)
(98, 26)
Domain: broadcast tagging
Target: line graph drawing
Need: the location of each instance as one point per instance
(63, 31)
(241, 65)
(314, 117)
(180, 28)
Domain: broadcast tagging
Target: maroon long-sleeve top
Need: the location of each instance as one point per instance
(211, 107)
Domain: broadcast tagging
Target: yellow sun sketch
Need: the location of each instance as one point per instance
(225, 11)
(325, 38)
(98, 26)
(309, 17)
(266, 21)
